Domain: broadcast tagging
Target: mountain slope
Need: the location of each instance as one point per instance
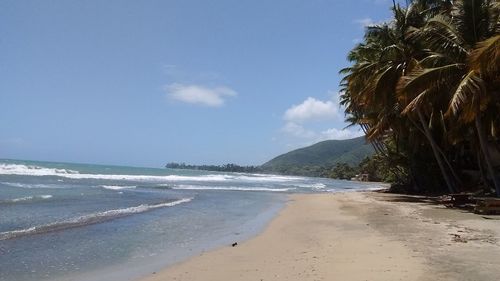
(325, 153)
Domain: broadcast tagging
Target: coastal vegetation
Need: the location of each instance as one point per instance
(341, 159)
(319, 156)
(216, 168)
(425, 88)
(369, 166)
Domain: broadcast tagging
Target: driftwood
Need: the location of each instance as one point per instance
(487, 206)
(460, 199)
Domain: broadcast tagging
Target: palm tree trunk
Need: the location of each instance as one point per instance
(374, 143)
(486, 153)
(435, 150)
(453, 173)
(371, 142)
(456, 178)
(482, 173)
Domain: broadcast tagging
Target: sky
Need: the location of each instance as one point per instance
(148, 82)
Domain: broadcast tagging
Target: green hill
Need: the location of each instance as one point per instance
(323, 154)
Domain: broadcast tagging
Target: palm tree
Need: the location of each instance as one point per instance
(434, 70)
(461, 65)
(369, 86)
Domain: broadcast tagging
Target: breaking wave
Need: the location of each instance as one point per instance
(88, 219)
(313, 186)
(31, 170)
(28, 170)
(230, 188)
(31, 185)
(118, 187)
(27, 198)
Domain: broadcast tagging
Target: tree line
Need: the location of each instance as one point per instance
(216, 168)
(371, 166)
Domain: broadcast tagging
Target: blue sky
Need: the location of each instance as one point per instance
(148, 82)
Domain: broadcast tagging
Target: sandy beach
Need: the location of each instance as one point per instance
(356, 236)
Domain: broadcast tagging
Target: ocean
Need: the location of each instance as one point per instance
(61, 221)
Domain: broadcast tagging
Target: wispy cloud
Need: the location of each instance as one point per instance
(340, 134)
(199, 95)
(298, 131)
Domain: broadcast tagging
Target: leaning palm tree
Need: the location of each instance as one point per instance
(369, 85)
(461, 65)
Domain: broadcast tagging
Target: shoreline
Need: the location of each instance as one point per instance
(355, 236)
(134, 270)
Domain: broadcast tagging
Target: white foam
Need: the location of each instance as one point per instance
(30, 185)
(30, 170)
(313, 185)
(118, 187)
(27, 170)
(378, 188)
(230, 188)
(277, 177)
(27, 198)
(88, 219)
(264, 178)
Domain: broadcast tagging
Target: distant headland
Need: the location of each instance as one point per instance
(340, 159)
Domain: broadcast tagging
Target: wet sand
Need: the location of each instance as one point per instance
(356, 236)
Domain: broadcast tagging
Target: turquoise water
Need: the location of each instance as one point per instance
(62, 221)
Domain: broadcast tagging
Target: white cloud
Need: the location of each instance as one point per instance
(312, 109)
(342, 134)
(316, 112)
(200, 95)
(311, 136)
(364, 22)
(298, 131)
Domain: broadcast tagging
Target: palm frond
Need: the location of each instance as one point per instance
(385, 81)
(415, 103)
(434, 59)
(423, 79)
(485, 58)
(441, 34)
(468, 96)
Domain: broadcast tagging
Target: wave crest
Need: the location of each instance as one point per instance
(26, 170)
(230, 188)
(88, 219)
(31, 170)
(118, 187)
(27, 198)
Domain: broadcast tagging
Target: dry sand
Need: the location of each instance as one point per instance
(356, 236)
